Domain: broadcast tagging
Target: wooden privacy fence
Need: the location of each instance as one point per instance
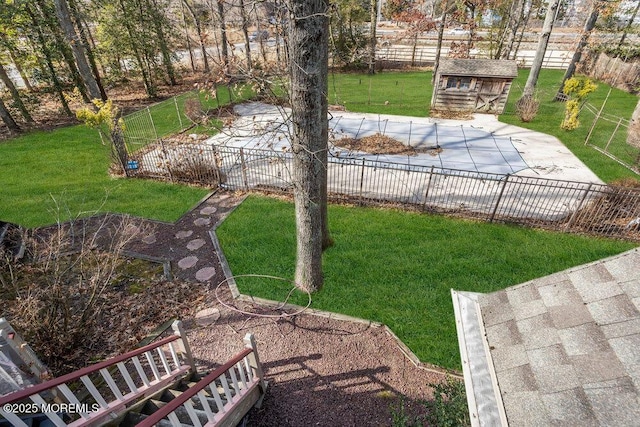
(553, 204)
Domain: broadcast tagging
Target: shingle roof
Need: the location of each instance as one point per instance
(478, 67)
(565, 348)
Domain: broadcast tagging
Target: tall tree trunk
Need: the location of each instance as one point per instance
(534, 72)
(16, 62)
(577, 55)
(46, 19)
(5, 115)
(149, 85)
(198, 24)
(513, 50)
(187, 39)
(223, 36)
(57, 85)
(245, 31)
(629, 25)
(436, 62)
(511, 29)
(83, 30)
(372, 39)
(308, 32)
(158, 24)
(17, 100)
(77, 48)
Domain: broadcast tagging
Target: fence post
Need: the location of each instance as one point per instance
(243, 167)
(175, 102)
(575, 213)
(606, 147)
(256, 366)
(167, 159)
(410, 126)
(361, 180)
(426, 193)
(595, 120)
(153, 125)
(495, 209)
(179, 330)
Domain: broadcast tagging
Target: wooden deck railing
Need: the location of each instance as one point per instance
(109, 386)
(232, 390)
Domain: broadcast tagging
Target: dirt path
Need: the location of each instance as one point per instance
(321, 371)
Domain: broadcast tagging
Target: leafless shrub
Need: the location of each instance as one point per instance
(616, 209)
(57, 290)
(197, 169)
(527, 108)
(194, 111)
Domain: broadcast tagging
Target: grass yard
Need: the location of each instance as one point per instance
(398, 267)
(399, 93)
(48, 176)
(409, 94)
(59, 174)
(551, 113)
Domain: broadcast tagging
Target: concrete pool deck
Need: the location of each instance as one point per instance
(482, 144)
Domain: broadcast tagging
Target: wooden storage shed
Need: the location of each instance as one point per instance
(475, 85)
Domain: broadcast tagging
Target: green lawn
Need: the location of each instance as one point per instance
(409, 94)
(550, 115)
(46, 176)
(398, 267)
(399, 93)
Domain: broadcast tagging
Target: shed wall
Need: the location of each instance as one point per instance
(485, 95)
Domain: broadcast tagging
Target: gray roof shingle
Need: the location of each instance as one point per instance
(568, 344)
(478, 67)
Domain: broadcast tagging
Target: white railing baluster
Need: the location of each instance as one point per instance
(111, 383)
(173, 418)
(174, 355)
(141, 373)
(111, 402)
(53, 417)
(216, 396)
(243, 377)
(71, 398)
(225, 387)
(13, 419)
(127, 377)
(234, 380)
(205, 405)
(192, 413)
(163, 359)
(248, 369)
(152, 365)
(94, 391)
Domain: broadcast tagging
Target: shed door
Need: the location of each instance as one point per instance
(489, 94)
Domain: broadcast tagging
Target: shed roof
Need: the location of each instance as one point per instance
(560, 350)
(478, 67)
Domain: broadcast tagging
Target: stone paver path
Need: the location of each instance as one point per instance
(187, 244)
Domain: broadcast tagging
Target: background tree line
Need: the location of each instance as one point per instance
(84, 47)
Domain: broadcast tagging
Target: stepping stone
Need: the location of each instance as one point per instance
(205, 274)
(195, 244)
(208, 210)
(202, 222)
(150, 239)
(187, 262)
(184, 234)
(207, 316)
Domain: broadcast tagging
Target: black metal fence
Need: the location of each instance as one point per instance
(559, 205)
